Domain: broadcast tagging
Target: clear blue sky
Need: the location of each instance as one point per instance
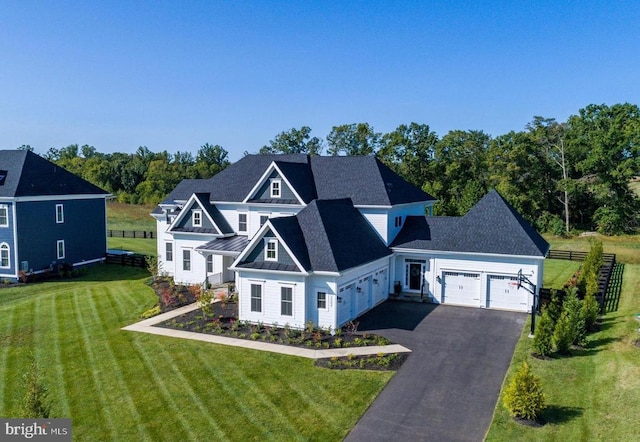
(175, 75)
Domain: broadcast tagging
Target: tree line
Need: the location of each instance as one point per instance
(559, 175)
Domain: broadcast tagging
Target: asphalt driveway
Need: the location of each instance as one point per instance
(448, 388)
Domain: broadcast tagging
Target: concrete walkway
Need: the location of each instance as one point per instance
(147, 326)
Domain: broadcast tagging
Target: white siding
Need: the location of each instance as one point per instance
(483, 265)
(271, 297)
(378, 220)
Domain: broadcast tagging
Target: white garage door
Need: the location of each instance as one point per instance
(503, 294)
(461, 288)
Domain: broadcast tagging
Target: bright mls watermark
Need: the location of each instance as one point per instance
(57, 430)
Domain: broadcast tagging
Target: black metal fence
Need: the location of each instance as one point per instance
(604, 276)
(130, 234)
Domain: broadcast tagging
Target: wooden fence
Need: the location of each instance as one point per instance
(131, 260)
(130, 234)
(604, 276)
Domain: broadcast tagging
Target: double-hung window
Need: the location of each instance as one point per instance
(271, 250)
(209, 263)
(186, 260)
(263, 219)
(168, 251)
(256, 298)
(242, 222)
(60, 249)
(4, 256)
(59, 213)
(4, 215)
(286, 301)
(322, 301)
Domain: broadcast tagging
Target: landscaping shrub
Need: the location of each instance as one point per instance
(543, 338)
(573, 306)
(589, 311)
(554, 307)
(523, 397)
(153, 311)
(563, 334)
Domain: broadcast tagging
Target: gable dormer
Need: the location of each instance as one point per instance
(274, 187)
(199, 216)
(268, 251)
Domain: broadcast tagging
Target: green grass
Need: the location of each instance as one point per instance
(592, 395)
(122, 216)
(626, 247)
(119, 385)
(136, 245)
(558, 271)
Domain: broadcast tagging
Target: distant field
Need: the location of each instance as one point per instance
(626, 247)
(122, 216)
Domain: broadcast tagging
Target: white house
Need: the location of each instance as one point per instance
(324, 239)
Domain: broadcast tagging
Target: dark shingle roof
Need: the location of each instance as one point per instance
(491, 226)
(214, 213)
(28, 174)
(331, 236)
(364, 179)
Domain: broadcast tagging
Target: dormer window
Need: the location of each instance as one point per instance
(196, 218)
(271, 250)
(275, 188)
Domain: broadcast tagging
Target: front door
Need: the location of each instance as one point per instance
(415, 276)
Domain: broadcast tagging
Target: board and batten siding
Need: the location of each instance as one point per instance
(271, 298)
(83, 231)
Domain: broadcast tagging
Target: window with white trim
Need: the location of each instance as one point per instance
(60, 249)
(398, 221)
(263, 219)
(4, 256)
(186, 260)
(59, 213)
(286, 301)
(271, 250)
(276, 185)
(196, 218)
(256, 298)
(242, 222)
(209, 263)
(168, 251)
(4, 215)
(322, 301)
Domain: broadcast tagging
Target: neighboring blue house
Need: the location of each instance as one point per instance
(324, 239)
(48, 216)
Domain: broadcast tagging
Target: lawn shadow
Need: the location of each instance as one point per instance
(558, 414)
(614, 290)
(395, 314)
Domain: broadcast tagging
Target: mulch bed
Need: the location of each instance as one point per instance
(171, 296)
(386, 362)
(222, 320)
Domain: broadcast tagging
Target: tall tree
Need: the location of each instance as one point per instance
(353, 139)
(409, 150)
(606, 141)
(294, 141)
(460, 171)
(210, 160)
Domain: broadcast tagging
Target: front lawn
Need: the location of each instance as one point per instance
(120, 385)
(593, 394)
